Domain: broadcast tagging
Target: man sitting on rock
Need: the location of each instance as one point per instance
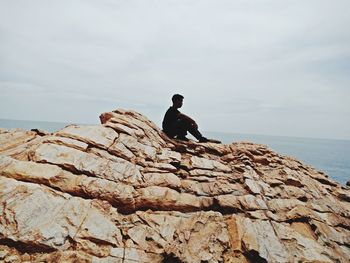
(176, 124)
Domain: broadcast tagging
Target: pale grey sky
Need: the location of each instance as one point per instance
(244, 66)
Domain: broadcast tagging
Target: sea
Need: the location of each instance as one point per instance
(328, 155)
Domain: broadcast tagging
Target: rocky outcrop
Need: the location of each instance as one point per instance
(124, 192)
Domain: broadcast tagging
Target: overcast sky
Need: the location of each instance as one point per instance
(244, 66)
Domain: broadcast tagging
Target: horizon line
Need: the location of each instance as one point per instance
(223, 132)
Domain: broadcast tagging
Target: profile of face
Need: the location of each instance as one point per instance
(178, 103)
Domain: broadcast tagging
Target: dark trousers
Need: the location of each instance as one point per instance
(180, 129)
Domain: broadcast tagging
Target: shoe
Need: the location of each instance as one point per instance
(203, 139)
(214, 141)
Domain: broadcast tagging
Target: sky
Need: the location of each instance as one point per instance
(243, 66)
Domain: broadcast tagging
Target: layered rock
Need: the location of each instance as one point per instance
(124, 192)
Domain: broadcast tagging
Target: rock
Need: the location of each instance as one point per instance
(243, 203)
(119, 170)
(137, 148)
(123, 191)
(98, 135)
(12, 138)
(206, 164)
(253, 187)
(3, 254)
(79, 145)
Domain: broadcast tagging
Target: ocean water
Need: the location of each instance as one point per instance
(329, 156)
(28, 125)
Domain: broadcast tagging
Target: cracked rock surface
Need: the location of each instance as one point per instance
(124, 192)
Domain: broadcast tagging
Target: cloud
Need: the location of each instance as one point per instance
(259, 64)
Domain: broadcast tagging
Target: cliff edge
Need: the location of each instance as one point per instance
(124, 192)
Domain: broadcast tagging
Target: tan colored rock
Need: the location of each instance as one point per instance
(212, 188)
(244, 202)
(164, 198)
(125, 192)
(120, 128)
(344, 195)
(97, 135)
(200, 238)
(120, 150)
(169, 156)
(135, 255)
(154, 167)
(258, 239)
(81, 185)
(253, 187)
(162, 179)
(17, 143)
(330, 234)
(79, 145)
(302, 246)
(287, 191)
(276, 204)
(118, 171)
(46, 218)
(12, 138)
(304, 229)
(208, 173)
(202, 163)
(137, 148)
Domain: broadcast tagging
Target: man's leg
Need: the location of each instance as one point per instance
(181, 127)
(195, 132)
(180, 130)
(188, 126)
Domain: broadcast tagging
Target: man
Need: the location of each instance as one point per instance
(176, 124)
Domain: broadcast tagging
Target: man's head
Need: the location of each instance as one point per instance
(177, 100)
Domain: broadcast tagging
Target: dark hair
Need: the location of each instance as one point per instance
(177, 97)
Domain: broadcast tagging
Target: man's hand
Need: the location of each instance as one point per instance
(194, 125)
